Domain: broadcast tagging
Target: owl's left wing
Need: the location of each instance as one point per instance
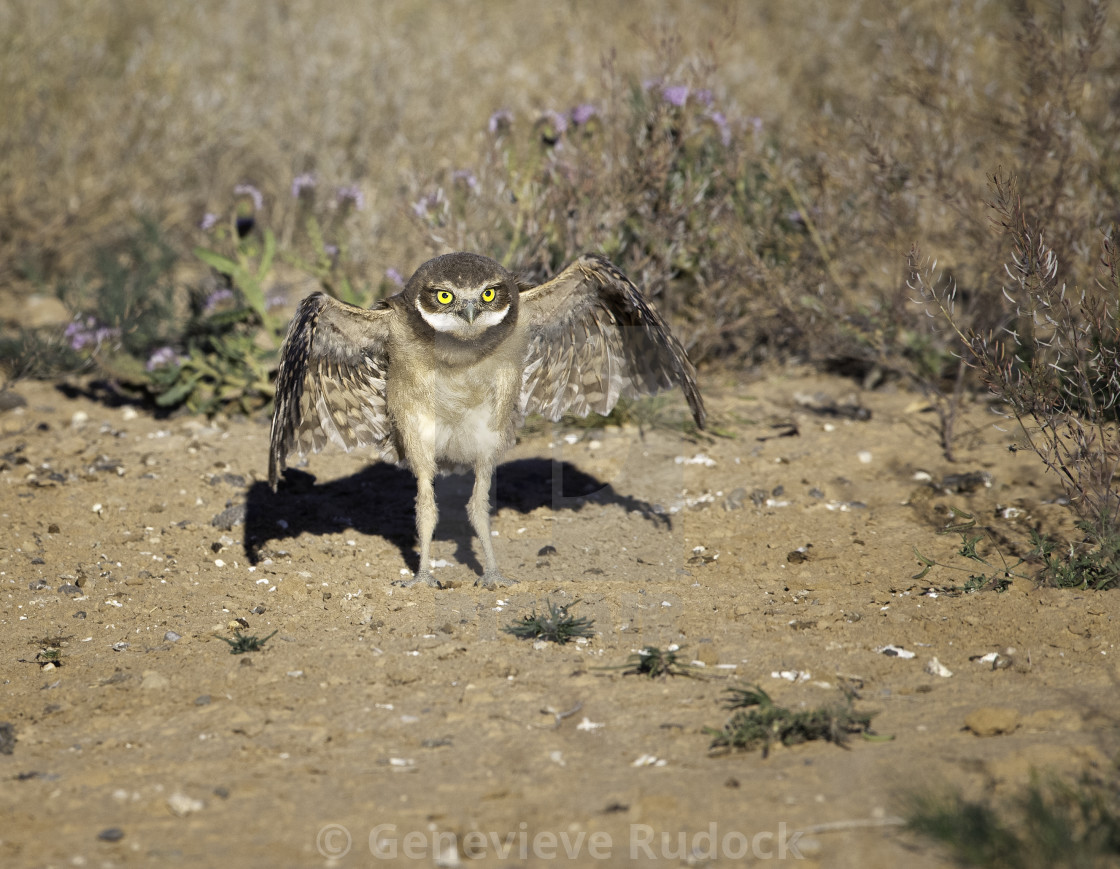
(593, 339)
(331, 383)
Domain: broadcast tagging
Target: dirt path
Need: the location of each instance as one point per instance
(411, 717)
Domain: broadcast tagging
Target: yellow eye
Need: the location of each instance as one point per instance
(488, 294)
(444, 297)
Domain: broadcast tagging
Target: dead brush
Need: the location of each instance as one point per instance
(1054, 364)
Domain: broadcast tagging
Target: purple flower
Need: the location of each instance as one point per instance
(306, 181)
(216, 298)
(649, 84)
(330, 250)
(275, 300)
(393, 275)
(500, 121)
(558, 121)
(756, 124)
(675, 95)
(583, 113)
(350, 193)
(82, 334)
(720, 121)
(161, 357)
(209, 219)
(252, 192)
(704, 97)
(467, 177)
(422, 206)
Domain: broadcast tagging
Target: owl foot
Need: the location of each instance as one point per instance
(494, 579)
(424, 576)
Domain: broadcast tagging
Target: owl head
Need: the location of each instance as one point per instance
(463, 297)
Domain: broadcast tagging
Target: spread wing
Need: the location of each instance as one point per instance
(594, 339)
(331, 384)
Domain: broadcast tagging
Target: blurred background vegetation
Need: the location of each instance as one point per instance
(761, 168)
(891, 191)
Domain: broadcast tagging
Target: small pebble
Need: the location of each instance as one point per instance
(121, 646)
(172, 637)
(182, 805)
(111, 834)
(992, 720)
(202, 700)
(69, 589)
(935, 668)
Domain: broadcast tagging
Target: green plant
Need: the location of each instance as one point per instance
(38, 353)
(998, 579)
(1093, 565)
(1049, 824)
(758, 723)
(555, 625)
(654, 662)
(242, 644)
(690, 204)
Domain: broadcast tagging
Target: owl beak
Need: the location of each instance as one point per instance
(469, 312)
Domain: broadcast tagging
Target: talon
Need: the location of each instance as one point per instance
(424, 576)
(494, 579)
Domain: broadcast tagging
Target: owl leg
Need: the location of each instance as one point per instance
(478, 510)
(426, 515)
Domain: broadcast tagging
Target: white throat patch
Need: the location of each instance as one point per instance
(453, 324)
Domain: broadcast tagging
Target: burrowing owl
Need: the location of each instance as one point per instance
(440, 376)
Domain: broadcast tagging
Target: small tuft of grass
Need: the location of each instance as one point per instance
(1050, 824)
(1093, 565)
(555, 626)
(654, 663)
(242, 644)
(993, 577)
(759, 723)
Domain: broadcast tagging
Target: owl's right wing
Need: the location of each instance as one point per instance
(331, 383)
(594, 338)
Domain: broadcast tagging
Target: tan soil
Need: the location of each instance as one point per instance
(376, 705)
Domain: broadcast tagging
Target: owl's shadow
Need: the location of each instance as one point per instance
(379, 501)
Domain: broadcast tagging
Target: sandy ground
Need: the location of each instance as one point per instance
(382, 721)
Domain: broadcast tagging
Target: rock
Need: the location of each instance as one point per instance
(707, 655)
(294, 586)
(10, 400)
(181, 805)
(734, 501)
(992, 720)
(39, 311)
(935, 668)
(111, 834)
(7, 738)
(229, 517)
(153, 681)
